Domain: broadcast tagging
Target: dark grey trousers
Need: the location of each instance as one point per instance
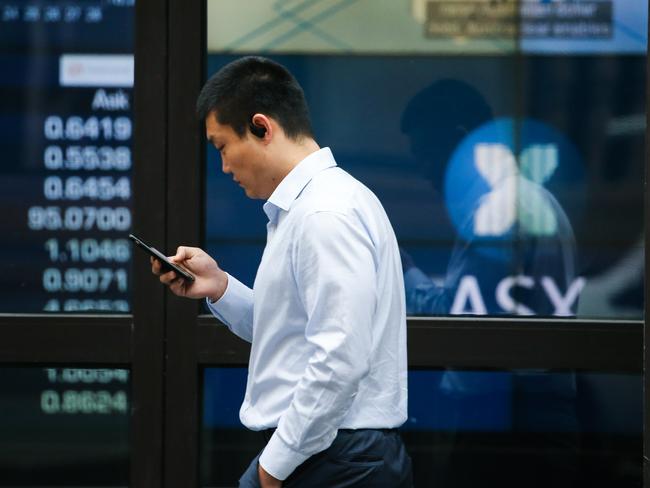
(356, 458)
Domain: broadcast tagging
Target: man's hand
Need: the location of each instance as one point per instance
(266, 480)
(211, 281)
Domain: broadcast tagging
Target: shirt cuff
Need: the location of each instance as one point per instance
(279, 460)
(228, 308)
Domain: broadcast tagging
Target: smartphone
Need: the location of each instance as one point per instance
(164, 262)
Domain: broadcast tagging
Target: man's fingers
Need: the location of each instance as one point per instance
(168, 278)
(178, 286)
(155, 266)
(182, 253)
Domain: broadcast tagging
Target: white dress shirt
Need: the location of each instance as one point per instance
(326, 316)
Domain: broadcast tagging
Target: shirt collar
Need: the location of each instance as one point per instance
(297, 179)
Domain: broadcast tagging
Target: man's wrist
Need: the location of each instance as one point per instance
(280, 460)
(214, 298)
(265, 478)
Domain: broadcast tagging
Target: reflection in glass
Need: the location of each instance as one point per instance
(64, 427)
(476, 428)
(599, 104)
(513, 182)
(428, 26)
(513, 235)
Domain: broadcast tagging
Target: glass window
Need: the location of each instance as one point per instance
(64, 427)
(66, 79)
(504, 139)
(475, 428)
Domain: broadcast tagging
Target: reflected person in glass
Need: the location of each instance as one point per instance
(514, 251)
(326, 316)
(514, 254)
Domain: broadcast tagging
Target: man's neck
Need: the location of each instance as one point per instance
(299, 151)
(292, 155)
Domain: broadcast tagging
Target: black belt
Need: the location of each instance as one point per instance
(268, 433)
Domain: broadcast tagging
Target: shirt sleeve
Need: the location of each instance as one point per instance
(235, 308)
(335, 268)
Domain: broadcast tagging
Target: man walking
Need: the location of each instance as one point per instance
(327, 379)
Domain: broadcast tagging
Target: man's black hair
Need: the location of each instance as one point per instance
(253, 85)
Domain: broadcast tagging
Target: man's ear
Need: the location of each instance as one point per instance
(258, 131)
(260, 126)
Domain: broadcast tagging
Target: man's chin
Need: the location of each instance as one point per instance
(251, 194)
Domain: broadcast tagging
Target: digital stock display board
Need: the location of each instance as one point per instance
(66, 78)
(64, 426)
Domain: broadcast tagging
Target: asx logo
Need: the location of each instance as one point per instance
(516, 193)
(498, 184)
(500, 189)
(469, 298)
